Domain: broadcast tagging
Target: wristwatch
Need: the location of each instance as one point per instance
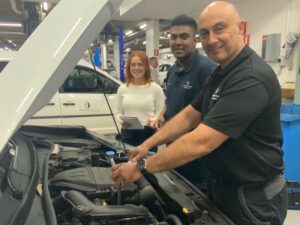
(142, 165)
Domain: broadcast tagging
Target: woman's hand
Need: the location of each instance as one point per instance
(126, 125)
(157, 123)
(150, 123)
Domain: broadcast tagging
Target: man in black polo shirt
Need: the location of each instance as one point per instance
(239, 136)
(184, 81)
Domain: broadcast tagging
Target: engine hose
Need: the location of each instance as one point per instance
(173, 220)
(145, 195)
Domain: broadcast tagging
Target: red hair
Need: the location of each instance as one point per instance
(144, 58)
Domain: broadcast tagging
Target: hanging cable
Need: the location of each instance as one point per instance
(108, 104)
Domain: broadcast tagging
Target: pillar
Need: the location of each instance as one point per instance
(152, 37)
(103, 57)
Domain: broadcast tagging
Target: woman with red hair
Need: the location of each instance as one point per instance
(140, 97)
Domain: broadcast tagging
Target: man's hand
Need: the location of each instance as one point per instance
(125, 173)
(158, 123)
(138, 153)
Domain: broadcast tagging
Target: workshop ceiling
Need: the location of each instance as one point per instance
(31, 12)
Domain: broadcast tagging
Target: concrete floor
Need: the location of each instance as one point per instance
(293, 217)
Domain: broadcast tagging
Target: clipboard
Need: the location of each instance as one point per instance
(134, 121)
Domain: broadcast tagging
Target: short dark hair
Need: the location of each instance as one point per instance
(185, 21)
(152, 58)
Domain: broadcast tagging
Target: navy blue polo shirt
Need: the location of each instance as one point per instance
(183, 86)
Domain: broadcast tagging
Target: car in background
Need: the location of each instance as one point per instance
(80, 100)
(163, 68)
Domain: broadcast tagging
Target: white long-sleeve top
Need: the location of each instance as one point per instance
(144, 101)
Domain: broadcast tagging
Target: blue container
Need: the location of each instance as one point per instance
(290, 123)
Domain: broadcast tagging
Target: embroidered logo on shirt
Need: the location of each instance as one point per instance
(187, 85)
(215, 95)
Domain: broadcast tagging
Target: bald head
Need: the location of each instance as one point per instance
(222, 8)
(220, 32)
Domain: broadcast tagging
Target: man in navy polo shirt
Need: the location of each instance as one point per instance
(186, 77)
(184, 81)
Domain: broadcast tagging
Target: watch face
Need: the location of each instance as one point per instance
(141, 164)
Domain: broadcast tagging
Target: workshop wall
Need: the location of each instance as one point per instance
(273, 17)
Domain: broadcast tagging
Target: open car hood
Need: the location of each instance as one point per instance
(41, 65)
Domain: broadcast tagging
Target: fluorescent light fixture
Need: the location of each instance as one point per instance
(45, 6)
(134, 33)
(10, 24)
(143, 26)
(128, 32)
(11, 42)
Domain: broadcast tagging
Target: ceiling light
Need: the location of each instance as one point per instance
(143, 26)
(134, 33)
(127, 49)
(45, 6)
(169, 35)
(110, 41)
(197, 35)
(144, 42)
(10, 24)
(129, 32)
(11, 42)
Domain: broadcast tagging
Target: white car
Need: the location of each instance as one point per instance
(163, 70)
(80, 100)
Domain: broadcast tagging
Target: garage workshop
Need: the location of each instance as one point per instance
(143, 112)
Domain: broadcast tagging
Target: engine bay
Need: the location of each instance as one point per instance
(81, 191)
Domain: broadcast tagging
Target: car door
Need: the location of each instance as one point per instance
(83, 102)
(48, 115)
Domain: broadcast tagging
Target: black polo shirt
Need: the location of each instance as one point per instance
(183, 86)
(243, 102)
